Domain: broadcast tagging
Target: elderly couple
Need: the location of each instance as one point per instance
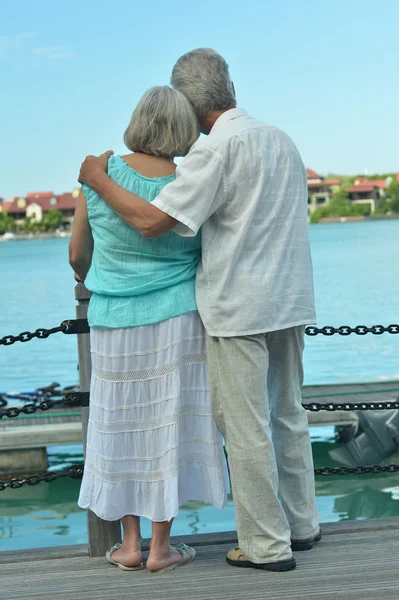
(202, 286)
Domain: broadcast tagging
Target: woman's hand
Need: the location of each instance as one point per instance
(92, 167)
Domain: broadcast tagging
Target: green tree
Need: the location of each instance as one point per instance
(30, 225)
(53, 219)
(319, 213)
(393, 195)
(6, 223)
(340, 205)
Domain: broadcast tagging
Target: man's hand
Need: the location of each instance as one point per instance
(92, 166)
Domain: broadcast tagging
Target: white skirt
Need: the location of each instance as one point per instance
(152, 442)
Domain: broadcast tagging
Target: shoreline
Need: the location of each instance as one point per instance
(357, 219)
(324, 221)
(35, 236)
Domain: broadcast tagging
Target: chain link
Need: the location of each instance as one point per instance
(76, 472)
(74, 399)
(71, 399)
(350, 406)
(358, 470)
(344, 330)
(27, 336)
(73, 472)
(73, 326)
(70, 327)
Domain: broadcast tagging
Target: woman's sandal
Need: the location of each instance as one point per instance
(109, 558)
(187, 556)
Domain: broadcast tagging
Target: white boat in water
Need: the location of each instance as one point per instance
(8, 236)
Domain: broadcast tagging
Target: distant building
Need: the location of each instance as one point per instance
(4, 206)
(368, 191)
(320, 190)
(36, 204)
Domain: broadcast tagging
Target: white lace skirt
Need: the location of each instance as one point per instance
(152, 442)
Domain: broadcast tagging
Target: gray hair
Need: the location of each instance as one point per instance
(162, 124)
(203, 76)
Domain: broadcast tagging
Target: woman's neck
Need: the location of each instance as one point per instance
(149, 165)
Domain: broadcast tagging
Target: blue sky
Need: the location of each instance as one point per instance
(71, 73)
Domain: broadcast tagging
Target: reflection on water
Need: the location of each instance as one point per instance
(47, 514)
(366, 504)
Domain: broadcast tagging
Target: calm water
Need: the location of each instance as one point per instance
(356, 282)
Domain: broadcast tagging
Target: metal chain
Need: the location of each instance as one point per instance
(75, 399)
(351, 406)
(27, 336)
(71, 399)
(358, 470)
(40, 394)
(70, 327)
(81, 326)
(74, 472)
(347, 330)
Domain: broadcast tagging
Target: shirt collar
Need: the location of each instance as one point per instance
(229, 115)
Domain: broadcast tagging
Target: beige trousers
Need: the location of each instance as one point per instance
(255, 384)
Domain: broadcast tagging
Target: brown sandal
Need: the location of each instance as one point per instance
(233, 559)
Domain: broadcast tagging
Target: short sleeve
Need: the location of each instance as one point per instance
(197, 192)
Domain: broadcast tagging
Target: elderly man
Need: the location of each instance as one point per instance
(245, 185)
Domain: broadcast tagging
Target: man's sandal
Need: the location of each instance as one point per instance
(233, 559)
(306, 544)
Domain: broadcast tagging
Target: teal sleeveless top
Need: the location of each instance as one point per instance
(136, 280)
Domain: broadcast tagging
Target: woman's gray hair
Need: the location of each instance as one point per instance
(203, 76)
(163, 124)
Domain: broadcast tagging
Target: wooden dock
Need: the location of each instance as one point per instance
(63, 426)
(355, 559)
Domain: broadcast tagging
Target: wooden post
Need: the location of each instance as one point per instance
(102, 534)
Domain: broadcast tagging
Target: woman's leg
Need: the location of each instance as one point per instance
(161, 552)
(129, 554)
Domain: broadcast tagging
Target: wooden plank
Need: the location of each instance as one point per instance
(357, 565)
(39, 436)
(338, 417)
(39, 554)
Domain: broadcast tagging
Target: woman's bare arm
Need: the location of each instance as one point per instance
(81, 244)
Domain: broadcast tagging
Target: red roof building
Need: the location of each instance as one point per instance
(368, 191)
(4, 206)
(367, 186)
(313, 175)
(36, 204)
(320, 190)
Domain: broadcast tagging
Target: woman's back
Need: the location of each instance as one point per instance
(136, 280)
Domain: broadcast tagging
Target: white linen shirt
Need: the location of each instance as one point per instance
(245, 185)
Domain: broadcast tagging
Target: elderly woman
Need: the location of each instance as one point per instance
(152, 442)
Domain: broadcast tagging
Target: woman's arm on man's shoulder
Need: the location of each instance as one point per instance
(81, 244)
(148, 220)
(184, 204)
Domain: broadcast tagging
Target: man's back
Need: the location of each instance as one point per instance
(256, 272)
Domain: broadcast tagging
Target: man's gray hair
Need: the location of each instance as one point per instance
(163, 124)
(203, 76)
